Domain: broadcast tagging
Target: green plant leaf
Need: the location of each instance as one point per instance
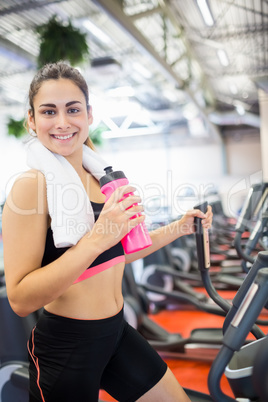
(96, 134)
(60, 41)
(16, 127)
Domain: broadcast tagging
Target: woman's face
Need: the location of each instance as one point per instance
(61, 116)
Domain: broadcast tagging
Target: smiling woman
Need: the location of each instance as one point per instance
(81, 341)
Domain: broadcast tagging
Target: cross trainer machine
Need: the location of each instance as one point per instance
(256, 207)
(202, 343)
(14, 333)
(166, 285)
(241, 318)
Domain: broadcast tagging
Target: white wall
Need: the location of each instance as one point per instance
(243, 154)
(263, 101)
(167, 173)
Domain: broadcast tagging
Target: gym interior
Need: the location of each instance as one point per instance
(179, 93)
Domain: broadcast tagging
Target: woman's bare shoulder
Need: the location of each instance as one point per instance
(28, 193)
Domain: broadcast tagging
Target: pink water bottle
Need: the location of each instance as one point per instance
(138, 238)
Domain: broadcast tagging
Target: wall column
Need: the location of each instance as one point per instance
(263, 103)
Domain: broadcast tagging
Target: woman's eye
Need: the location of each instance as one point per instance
(73, 110)
(49, 112)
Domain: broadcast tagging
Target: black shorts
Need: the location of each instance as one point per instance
(70, 360)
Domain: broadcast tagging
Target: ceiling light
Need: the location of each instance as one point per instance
(144, 71)
(97, 32)
(190, 111)
(233, 89)
(240, 109)
(205, 11)
(223, 57)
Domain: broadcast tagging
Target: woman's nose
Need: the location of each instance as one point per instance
(62, 121)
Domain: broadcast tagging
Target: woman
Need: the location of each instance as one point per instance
(81, 342)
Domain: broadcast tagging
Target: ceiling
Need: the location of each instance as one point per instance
(155, 65)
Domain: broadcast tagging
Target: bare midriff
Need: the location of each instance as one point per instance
(93, 298)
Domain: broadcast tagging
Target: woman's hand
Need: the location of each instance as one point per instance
(120, 214)
(187, 221)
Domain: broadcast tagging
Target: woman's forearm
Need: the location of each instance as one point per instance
(160, 238)
(167, 234)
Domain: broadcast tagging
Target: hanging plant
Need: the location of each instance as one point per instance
(16, 127)
(96, 134)
(59, 41)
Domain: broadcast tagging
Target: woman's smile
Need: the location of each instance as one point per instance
(63, 137)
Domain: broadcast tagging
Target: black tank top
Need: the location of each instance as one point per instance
(104, 261)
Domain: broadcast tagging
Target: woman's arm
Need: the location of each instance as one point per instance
(25, 223)
(168, 233)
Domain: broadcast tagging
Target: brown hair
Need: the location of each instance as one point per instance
(55, 71)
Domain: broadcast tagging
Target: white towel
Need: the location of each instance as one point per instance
(68, 203)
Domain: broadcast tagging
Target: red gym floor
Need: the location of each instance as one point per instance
(191, 373)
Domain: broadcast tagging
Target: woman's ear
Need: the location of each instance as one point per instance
(30, 120)
(90, 116)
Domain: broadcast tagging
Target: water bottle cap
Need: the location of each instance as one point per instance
(110, 175)
(108, 169)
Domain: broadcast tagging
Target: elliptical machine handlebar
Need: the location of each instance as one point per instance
(202, 245)
(260, 262)
(203, 258)
(253, 206)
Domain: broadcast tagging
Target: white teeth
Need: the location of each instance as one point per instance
(65, 137)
